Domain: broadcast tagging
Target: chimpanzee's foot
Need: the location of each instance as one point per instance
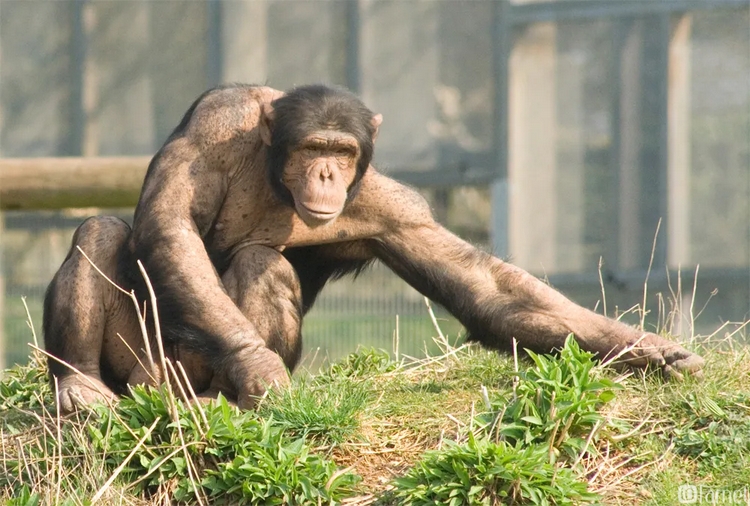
(670, 357)
(76, 391)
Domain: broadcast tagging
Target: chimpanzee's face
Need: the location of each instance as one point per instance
(319, 172)
(320, 144)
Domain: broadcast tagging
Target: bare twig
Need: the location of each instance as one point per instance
(192, 472)
(445, 344)
(397, 339)
(185, 396)
(58, 481)
(515, 368)
(138, 359)
(622, 352)
(692, 305)
(648, 273)
(598, 425)
(29, 322)
(157, 325)
(193, 396)
(601, 284)
(166, 458)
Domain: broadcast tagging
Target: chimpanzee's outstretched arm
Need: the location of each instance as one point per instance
(497, 301)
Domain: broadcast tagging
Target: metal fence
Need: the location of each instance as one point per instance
(553, 132)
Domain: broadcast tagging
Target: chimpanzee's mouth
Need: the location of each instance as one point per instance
(317, 214)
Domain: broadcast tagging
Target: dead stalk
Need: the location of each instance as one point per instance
(184, 395)
(193, 396)
(648, 273)
(445, 345)
(601, 284)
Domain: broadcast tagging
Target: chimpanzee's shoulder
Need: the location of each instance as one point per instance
(224, 112)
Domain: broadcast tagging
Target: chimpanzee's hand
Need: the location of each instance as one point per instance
(261, 369)
(670, 357)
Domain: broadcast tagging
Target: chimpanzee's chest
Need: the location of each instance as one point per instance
(241, 224)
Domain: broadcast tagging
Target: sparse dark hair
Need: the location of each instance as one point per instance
(311, 108)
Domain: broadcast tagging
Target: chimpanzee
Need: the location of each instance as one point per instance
(254, 202)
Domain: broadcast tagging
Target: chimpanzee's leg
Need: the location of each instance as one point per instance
(83, 314)
(266, 288)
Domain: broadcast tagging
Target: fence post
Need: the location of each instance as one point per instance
(532, 162)
(678, 167)
(678, 161)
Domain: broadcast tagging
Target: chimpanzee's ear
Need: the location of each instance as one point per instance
(265, 125)
(375, 122)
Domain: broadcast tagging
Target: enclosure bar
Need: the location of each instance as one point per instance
(353, 24)
(729, 278)
(74, 135)
(662, 93)
(215, 50)
(588, 9)
(502, 44)
(443, 177)
(621, 31)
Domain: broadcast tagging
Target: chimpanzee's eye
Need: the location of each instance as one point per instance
(343, 151)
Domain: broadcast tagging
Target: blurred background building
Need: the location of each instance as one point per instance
(560, 134)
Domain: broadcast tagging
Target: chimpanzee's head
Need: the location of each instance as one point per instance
(320, 143)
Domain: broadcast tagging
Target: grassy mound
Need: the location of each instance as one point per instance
(467, 427)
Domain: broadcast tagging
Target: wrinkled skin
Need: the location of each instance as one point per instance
(238, 248)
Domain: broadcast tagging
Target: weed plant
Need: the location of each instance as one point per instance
(483, 472)
(512, 458)
(556, 402)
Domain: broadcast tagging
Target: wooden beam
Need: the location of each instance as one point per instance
(58, 183)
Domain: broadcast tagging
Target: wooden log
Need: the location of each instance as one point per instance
(58, 183)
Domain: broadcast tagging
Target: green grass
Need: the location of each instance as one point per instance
(463, 427)
(339, 333)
